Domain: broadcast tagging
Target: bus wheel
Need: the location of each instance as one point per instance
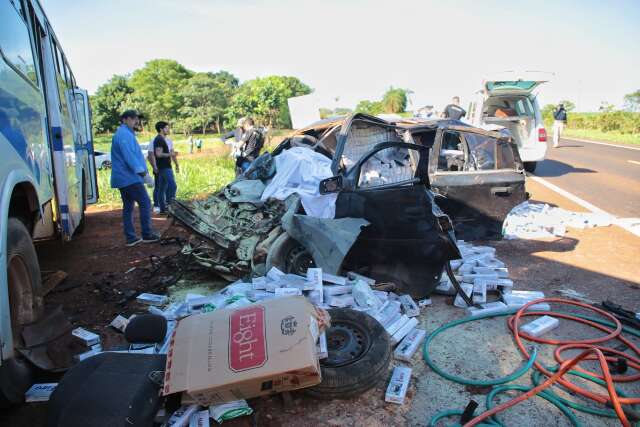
(25, 302)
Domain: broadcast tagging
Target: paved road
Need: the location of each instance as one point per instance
(605, 176)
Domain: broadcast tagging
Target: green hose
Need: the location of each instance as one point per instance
(543, 394)
(511, 377)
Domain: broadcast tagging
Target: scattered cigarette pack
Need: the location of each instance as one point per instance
(409, 344)
(490, 307)
(424, 302)
(181, 417)
(321, 347)
(288, 292)
(87, 337)
(404, 330)
(479, 293)
(355, 276)
(336, 290)
(468, 290)
(259, 283)
(340, 301)
(152, 299)
(336, 280)
(119, 323)
(200, 419)
(540, 326)
(409, 306)
(398, 386)
(395, 326)
(40, 392)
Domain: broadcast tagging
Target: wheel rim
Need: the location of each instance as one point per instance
(299, 260)
(20, 295)
(347, 342)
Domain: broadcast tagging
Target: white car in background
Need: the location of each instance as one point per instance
(103, 159)
(509, 100)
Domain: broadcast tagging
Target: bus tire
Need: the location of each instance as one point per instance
(25, 302)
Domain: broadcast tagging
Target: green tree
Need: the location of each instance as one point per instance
(108, 103)
(265, 99)
(394, 100)
(157, 89)
(206, 97)
(632, 101)
(369, 107)
(568, 105)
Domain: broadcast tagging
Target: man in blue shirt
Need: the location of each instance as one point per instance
(129, 174)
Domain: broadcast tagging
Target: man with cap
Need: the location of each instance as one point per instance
(129, 174)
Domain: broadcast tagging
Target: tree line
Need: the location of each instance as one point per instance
(193, 101)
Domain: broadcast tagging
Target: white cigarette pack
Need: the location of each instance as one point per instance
(468, 290)
(259, 283)
(494, 284)
(340, 301)
(395, 326)
(355, 276)
(200, 419)
(540, 326)
(288, 292)
(479, 293)
(424, 302)
(404, 330)
(119, 323)
(152, 299)
(316, 296)
(274, 274)
(398, 386)
(336, 280)
(336, 290)
(409, 344)
(321, 347)
(87, 337)
(490, 307)
(500, 272)
(40, 392)
(409, 306)
(87, 354)
(181, 417)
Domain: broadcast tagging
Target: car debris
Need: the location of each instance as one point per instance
(398, 385)
(40, 392)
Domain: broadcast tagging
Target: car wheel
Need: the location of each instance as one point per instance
(359, 356)
(106, 165)
(530, 166)
(25, 302)
(289, 256)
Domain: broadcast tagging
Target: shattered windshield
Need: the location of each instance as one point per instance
(361, 139)
(392, 165)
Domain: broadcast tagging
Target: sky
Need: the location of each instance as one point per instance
(356, 49)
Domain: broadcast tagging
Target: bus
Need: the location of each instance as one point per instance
(47, 169)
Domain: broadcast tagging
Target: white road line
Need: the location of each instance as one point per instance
(602, 143)
(585, 204)
(634, 162)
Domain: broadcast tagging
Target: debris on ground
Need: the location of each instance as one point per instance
(538, 220)
(40, 392)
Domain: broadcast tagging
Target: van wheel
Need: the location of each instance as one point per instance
(25, 303)
(530, 166)
(359, 356)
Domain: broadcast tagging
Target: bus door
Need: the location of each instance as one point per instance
(89, 164)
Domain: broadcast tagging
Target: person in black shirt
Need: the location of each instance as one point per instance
(454, 110)
(166, 179)
(250, 145)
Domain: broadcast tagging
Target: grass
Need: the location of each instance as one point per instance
(200, 175)
(598, 135)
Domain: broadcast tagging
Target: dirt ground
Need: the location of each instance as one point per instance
(600, 263)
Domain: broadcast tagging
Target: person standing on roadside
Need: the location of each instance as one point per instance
(559, 122)
(129, 174)
(169, 194)
(236, 134)
(454, 111)
(163, 156)
(250, 145)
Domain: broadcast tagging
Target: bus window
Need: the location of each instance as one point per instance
(15, 43)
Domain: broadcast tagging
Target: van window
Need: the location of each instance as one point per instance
(15, 43)
(451, 156)
(484, 153)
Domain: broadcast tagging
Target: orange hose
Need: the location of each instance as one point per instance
(557, 377)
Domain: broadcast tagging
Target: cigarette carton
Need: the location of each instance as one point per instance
(398, 386)
(40, 392)
(152, 299)
(540, 326)
(409, 306)
(409, 344)
(404, 330)
(87, 337)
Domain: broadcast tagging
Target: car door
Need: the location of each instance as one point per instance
(480, 178)
(88, 155)
(405, 242)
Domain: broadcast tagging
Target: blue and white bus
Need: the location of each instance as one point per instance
(47, 169)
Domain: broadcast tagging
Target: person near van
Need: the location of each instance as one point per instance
(250, 145)
(454, 111)
(559, 122)
(199, 145)
(163, 155)
(129, 174)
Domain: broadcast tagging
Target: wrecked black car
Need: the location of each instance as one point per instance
(359, 194)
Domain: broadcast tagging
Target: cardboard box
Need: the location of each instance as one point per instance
(260, 349)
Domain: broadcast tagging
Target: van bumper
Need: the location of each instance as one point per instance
(534, 153)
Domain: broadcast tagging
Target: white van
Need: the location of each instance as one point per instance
(510, 100)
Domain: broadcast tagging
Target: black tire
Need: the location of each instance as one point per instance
(24, 282)
(530, 166)
(343, 379)
(289, 256)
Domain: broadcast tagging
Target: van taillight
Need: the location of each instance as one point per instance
(542, 135)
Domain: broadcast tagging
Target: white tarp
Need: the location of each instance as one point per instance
(299, 170)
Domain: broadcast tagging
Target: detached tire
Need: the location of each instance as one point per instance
(530, 166)
(359, 356)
